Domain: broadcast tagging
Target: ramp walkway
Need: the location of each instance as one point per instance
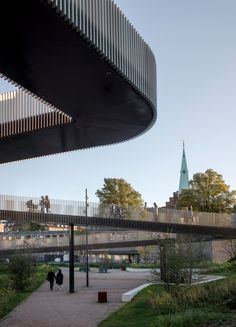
(45, 308)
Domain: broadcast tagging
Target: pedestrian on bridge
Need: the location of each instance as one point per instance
(42, 204)
(47, 204)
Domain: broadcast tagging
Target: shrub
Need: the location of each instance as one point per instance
(182, 297)
(21, 270)
(163, 303)
(211, 293)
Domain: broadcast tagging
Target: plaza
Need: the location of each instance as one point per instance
(62, 309)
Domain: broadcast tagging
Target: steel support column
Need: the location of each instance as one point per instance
(86, 237)
(163, 262)
(71, 268)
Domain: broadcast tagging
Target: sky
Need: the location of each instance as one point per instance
(194, 43)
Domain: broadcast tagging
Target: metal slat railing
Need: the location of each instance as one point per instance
(69, 208)
(105, 27)
(20, 112)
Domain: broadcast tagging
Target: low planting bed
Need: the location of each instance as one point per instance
(179, 306)
(11, 297)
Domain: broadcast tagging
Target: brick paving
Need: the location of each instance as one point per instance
(45, 308)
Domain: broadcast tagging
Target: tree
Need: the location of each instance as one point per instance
(119, 195)
(21, 269)
(208, 192)
(178, 258)
(28, 226)
(145, 252)
(118, 191)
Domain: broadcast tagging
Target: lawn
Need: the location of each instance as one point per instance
(181, 306)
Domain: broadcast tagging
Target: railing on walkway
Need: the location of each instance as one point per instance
(77, 208)
(196, 218)
(69, 207)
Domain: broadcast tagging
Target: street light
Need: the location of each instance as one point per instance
(71, 259)
(86, 238)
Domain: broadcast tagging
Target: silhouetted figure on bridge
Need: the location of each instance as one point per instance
(118, 211)
(115, 211)
(42, 204)
(155, 211)
(188, 215)
(190, 209)
(31, 206)
(47, 204)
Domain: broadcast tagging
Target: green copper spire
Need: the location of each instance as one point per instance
(183, 181)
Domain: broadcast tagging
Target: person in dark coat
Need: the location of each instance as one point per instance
(47, 204)
(59, 279)
(42, 204)
(51, 277)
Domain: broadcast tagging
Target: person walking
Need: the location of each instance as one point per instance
(42, 204)
(47, 204)
(59, 279)
(51, 277)
(155, 211)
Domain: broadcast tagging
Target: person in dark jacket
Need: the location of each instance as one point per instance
(47, 204)
(59, 279)
(51, 277)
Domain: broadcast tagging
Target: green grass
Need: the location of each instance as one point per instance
(10, 298)
(4, 280)
(139, 313)
(195, 306)
(191, 317)
(227, 269)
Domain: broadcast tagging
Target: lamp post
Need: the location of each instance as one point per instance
(163, 261)
(71, 267)
(86, 238)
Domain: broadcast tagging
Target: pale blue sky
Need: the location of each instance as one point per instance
(194, 42)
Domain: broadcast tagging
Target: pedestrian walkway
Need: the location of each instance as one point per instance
(45, 308)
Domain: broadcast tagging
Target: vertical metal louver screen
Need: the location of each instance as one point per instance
(20, 112)
(106, 28)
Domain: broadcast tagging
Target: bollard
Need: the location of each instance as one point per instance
(102, 297)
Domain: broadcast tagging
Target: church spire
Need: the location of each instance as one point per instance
(183, 181)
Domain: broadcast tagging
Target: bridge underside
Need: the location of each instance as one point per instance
(97, 247)
(40, 52)
(81, 247)
(215, 232)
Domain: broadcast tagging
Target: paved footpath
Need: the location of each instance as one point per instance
(45, 308)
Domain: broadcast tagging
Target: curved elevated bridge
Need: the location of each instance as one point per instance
(198, 231)
(125, 224)
(223, 232)
(89, 77)
(200, 225)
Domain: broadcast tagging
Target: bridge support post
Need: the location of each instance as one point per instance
(71, 268)
(86, 237)
(163, 261)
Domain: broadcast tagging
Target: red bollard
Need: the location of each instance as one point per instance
(102, 297)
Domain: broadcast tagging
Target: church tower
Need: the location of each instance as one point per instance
(184, 180)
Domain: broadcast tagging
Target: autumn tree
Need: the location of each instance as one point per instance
(208, 192)
(119, 193)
